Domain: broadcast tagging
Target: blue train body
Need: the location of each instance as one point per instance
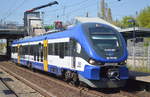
(92, 53)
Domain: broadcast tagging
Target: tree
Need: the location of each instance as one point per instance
(105, 12)
(117, 23)
(103, 9)
(144, 18)
(125, 21)
(109, 16)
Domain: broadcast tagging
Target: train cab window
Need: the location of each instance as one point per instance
(105, 41)
(101, 30)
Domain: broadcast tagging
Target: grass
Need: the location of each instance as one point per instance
(139, 69)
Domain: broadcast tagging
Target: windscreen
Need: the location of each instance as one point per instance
(100, 30)
(104, 40)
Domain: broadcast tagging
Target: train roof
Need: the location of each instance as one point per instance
(74, 32)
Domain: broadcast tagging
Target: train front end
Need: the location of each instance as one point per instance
(107, 55)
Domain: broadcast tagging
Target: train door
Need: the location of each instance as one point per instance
(73, 53)
(18, 47)
(45, 54)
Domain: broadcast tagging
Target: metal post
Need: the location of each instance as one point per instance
(134, 44)
(42, 16)
(148, 59)
(8, 49)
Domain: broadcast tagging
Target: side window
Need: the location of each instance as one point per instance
(29, 47)
(34, 51)
(31, 50)
(16, 49)
(41, 52)
(50, 49)
(53, 49)
(20, 50)
(56, 49)
(25, 50)
(28, 51)
(72, 47)
(12, 49)
(66, 49)
(61, 50)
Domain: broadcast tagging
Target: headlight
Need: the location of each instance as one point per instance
(92, 61)
(123, 63)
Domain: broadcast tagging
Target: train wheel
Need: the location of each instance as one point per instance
(67, 76)
(75, 79)
(30, 67)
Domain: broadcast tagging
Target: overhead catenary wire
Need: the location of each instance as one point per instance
(80, 4)
(79, 9)
(10, 8)
(86, 6)
(14, 10)
(63, 9)
(73, 11)
(68, 6)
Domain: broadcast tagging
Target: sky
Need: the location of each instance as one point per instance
(13, 10)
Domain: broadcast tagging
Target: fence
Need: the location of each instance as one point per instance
(139, 57)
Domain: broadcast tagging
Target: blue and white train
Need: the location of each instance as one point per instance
(92, 53)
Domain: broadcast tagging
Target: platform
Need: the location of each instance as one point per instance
(140, 76)
(12, 87)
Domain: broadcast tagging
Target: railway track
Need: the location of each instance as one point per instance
(9, 88)
(53, 87)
